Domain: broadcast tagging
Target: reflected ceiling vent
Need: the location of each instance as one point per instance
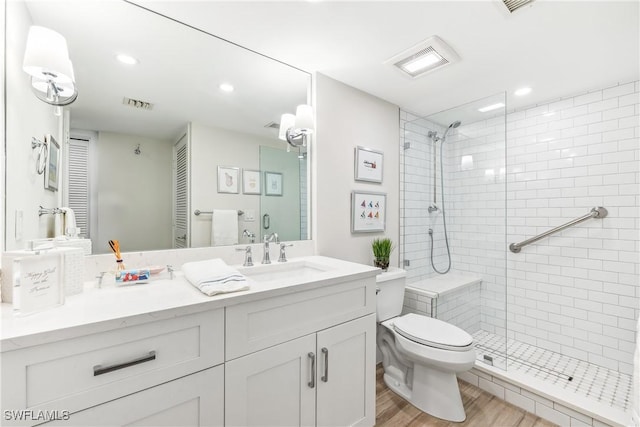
(423, 58)
(136, 103)
(514, 5)
(272, 125)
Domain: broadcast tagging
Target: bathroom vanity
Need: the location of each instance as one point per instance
(298, 348)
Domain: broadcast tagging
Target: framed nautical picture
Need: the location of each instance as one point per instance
(228, 179)
(368, 212)
(368, 165)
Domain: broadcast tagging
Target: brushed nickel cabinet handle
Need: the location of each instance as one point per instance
(312, 383)
(325, 377)
(99, 369)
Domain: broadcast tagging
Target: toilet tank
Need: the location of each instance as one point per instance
(390, 296)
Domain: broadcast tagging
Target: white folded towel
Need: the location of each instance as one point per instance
(214, 276)
(70, 228)
(224, 227)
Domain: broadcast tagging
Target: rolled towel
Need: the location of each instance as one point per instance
(214, 276)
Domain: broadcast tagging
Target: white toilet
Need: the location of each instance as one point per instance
(421, 355)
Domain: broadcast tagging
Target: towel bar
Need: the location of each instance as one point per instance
(198, 212)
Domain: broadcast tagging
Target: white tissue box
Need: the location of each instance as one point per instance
(73, 270)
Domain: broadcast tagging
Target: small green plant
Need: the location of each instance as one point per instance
(382, 247)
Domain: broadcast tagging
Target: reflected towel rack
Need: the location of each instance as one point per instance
(597, 212)
(198, 212)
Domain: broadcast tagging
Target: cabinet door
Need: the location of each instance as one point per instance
(194, 400)
(272, 387)
(346, 374)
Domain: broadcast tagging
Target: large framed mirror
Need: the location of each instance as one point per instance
(142, 144)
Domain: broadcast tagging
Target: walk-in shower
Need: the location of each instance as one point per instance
(433, 135)
(557, 318)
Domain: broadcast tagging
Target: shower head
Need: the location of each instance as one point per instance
(451, 126)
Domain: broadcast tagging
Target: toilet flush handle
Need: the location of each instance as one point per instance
(377, 290)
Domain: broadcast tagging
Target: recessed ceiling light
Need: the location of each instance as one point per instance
(126, 59)
(226, 87)
(522, 91)
(491, 107)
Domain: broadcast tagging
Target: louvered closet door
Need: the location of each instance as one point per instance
(181, 196)
(79, 183)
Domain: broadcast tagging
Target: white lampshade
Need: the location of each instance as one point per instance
(47, 52)
(287, 121)
(304, 118)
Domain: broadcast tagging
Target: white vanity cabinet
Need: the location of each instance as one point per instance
(315, 359)
(296, 352)
(83, 372)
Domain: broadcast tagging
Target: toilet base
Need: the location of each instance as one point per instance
(434, 392)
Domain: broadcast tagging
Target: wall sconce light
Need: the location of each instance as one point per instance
(46, 60)
(296, 129)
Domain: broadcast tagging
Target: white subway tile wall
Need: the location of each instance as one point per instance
(576, 293)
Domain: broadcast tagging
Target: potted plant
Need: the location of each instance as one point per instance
(381, 251)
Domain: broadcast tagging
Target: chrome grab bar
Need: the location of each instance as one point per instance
(597, 212)
(198, 212)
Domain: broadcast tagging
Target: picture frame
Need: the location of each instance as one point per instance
(228, 179)
(368, 212)
(52, 165)
(273, 184)
(251, 182)
(368, 165)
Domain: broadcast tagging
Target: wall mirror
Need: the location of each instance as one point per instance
(150, 136)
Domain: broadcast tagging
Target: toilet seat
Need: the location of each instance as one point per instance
(432, 332)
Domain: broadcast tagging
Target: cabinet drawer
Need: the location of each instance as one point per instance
(194, 400)
(260, 324)
(81, 372)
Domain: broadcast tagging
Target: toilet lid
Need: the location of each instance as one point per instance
(432, 332)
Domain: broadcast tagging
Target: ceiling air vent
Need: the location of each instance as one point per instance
(136, 103)
(427, 56)
(514, 5)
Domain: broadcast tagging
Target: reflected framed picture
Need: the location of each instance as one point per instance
(251, 182)
(368, 165)
(273, 184)
(52, 166)
(368, 212)
(228, 179)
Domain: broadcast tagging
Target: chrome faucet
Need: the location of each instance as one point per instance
(283, 255)
(248, 258)
(273, 237)
(249, 234)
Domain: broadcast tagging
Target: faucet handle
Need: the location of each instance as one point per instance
(283, 255)
(248, 258)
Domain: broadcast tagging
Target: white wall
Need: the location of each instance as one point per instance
(213, 147)
(346, 118)
(134, 193)
(2, 123)
(26, 117)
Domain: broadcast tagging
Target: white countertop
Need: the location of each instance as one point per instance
(111, 307)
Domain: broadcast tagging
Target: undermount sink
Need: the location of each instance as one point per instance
(291, 270)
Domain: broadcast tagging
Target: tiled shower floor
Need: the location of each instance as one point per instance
(593, 382)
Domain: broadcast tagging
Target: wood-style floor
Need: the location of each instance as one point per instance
(483, 410)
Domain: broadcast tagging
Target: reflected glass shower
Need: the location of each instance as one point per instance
(453, 220)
